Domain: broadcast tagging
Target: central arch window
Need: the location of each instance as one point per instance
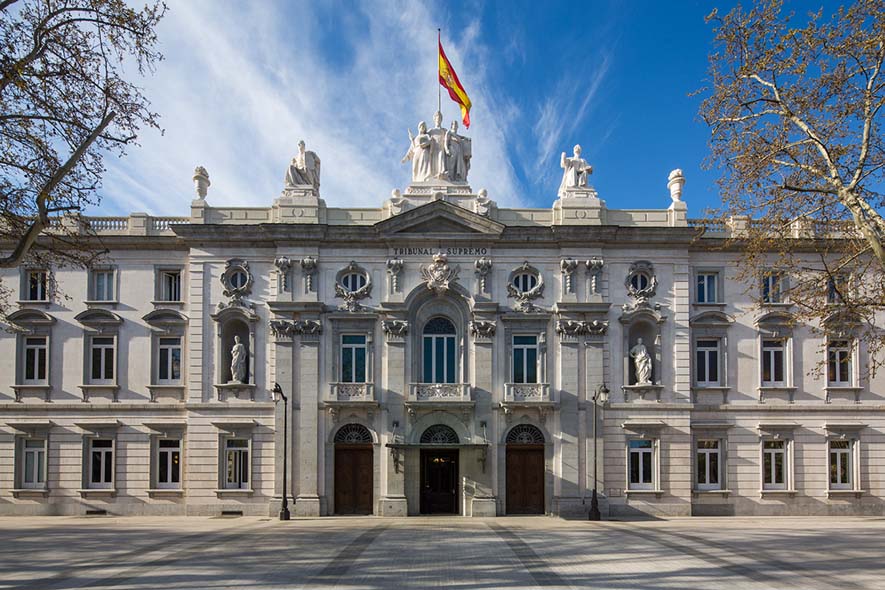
(439, 351)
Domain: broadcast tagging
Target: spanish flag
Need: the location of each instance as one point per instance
(448, 79)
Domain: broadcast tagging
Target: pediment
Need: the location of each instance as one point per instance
(439, 218)
(98, 317)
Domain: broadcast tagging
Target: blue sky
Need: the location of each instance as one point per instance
(244, 81)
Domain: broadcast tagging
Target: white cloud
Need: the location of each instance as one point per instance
(241, 84)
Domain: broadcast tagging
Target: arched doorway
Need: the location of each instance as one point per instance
(439, 471)
(353, 470)
(525, 470)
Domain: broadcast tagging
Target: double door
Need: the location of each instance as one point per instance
(525, 479)
(353, 479)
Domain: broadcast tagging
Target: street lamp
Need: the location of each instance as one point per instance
(600, 396)
(278, 395)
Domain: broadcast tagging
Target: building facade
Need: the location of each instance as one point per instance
(439, 355)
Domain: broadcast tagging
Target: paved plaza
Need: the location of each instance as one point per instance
(354, 553)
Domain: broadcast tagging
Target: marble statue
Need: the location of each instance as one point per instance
(420, 154)
(238, 361)
(641, 363)
(575, 171)
(439, 148)
(460, 151)
(304, 170)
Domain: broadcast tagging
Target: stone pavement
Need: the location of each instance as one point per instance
(371, 553)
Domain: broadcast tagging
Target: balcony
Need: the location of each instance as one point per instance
(439, 393)
(352, 393)
(522, 393)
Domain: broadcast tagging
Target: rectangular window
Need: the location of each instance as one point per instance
(36, 285)
(525, 359)
(353, 359)
(101, 463)
(236, 454)
(706, 287)
(708, 465)
(169, 365)
(102, 360)
(840, 465)
(36, 351)
(102, 285)
(773, 363)
(707, 363)
(839, 363)
(774, 465)
(33, 463)
(439, 358)
(170, 285)
(168, 464)
(772, 287)
(641, 464)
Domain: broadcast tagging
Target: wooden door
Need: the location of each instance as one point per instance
(439, 482)
(353, 479)
(525, 479)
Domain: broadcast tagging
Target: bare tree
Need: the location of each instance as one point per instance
(65, 102)
(795, 108)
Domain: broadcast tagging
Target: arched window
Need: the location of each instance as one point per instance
(439, 351)
(353, 281)
(525, 434)
(353, 434)
(525, 281)
(439, 434)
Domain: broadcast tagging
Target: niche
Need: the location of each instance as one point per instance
(230, 330)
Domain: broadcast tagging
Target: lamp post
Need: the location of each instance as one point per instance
(599, 397)
(278, 395)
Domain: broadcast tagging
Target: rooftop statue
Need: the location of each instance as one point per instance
(304, 170)
(438, 154)
(575, 171)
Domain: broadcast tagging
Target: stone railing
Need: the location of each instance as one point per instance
(107, 225)
(439, 392)
(352, 392)
(165, 223)
(527, 392)
(136, 224)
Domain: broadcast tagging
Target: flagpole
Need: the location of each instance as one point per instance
(438, 88)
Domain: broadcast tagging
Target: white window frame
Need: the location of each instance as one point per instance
(773, 282)
(645, 454)
(42, 285)
(104, 347)
(39, 465)
(846, 454)
(720, 366)
(236, 451)
(842, 281)
(525, 281)
(170, 452)
(353, 347)
(786, 453)
(354, 281)
(169, 348)
(708, 276)
(525, 363)
(27, 346)
(769, 351)
(707, 452)
(161, 274)
(110, 285)
(440, 340)
(848, 349)
(102, 452)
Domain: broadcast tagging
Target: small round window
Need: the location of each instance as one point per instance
(525, 281)
(353, 281)
(238, 279)
(639, 281)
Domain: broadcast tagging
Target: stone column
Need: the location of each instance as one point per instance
(484, 501)
(568, 499)
(307, 503)
(392, 393)
(283, 374)
(594, 352)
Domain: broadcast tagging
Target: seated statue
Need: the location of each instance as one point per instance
(575, 171)
(304, 170)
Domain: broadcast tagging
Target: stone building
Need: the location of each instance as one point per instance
(439, 354)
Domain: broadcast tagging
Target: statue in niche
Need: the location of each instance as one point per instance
(304, 170)
(641, 363)
(460, 152)
(575, 171)
(420, 153)
(238, 356)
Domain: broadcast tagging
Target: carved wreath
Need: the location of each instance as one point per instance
(234, 267)
(524, 298)
(641, 271)
(352, 298)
